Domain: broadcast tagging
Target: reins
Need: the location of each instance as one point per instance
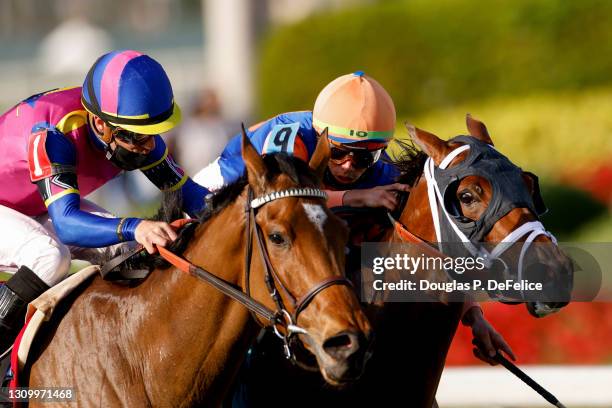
(282, 317)
(281, 320)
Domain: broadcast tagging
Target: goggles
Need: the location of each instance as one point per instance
(126, 136)
(362, 158)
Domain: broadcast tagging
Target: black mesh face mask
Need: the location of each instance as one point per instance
(459, 236)
(508, 188)
(125, 159)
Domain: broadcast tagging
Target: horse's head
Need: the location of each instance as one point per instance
(305, 244)
(482, 197)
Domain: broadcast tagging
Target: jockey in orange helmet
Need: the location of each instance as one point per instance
(360, 117)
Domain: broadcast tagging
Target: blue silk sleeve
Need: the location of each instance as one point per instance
(80, 228)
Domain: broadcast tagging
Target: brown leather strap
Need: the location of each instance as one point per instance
(271, 276)
(235, 293)
(273, 280)
(220, 284)
(325, 283)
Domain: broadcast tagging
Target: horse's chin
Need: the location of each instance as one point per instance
(543, 309)
(342, 374)
(339, 384)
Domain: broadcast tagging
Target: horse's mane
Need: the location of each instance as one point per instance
(410, 162)
(172, 202)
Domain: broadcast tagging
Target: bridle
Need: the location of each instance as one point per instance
(283, 317)
(282, 321)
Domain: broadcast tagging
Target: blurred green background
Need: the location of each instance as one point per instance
(536, 72)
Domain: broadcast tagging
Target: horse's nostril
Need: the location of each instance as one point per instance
(342, 345)
(340, 341)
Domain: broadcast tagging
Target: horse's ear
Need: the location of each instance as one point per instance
(256, 169)
(431, 144)
(477, 129)
(320, 157)
(533, 185)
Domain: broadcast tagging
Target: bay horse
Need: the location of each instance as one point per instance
(411, 339)
(174, 341)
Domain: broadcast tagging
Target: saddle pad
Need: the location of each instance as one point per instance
(41, 309)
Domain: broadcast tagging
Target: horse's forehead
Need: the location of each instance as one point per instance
(316, 214)
(284, 181)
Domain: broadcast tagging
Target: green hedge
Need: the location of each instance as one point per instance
(558, 135)
(432, 54)
(570, 210)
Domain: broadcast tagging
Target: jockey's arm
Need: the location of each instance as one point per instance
(292, 133)
(167, 175)
(487, 341)
(380, 196)
(80, 228)
(73, 226)
(229, 166)
(56, 178)
(377, 188)
(467, 314)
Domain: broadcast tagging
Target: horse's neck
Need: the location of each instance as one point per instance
(204, 330)
(417, 213)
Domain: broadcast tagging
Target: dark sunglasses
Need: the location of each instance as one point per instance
(362, 158)
(127, 136)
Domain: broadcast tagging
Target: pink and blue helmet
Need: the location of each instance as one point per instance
(131, 90)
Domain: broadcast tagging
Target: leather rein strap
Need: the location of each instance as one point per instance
(220, 284)
(281, 316)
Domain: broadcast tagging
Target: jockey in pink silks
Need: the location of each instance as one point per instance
(62, 144)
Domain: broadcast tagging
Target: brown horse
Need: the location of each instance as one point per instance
(412, 339)
(174, 341)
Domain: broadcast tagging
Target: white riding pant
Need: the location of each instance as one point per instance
(32, 241)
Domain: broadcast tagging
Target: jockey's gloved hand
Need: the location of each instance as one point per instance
(151, 233)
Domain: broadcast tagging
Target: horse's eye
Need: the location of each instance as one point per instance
(466, 198)
(276, 238)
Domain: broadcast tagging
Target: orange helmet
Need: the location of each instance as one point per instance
(355, 109)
